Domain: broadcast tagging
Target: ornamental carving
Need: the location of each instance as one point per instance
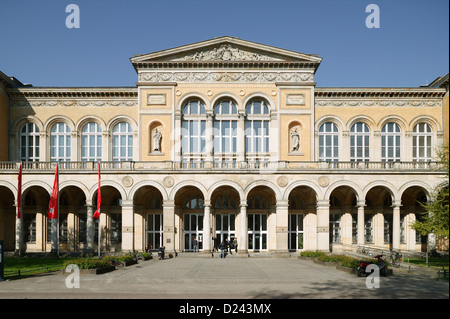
(238, 77)
(379, 103)
(226, 52)
(75, 103)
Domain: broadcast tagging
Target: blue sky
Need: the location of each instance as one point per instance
(411, 47)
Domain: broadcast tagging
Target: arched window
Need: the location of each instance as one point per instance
(257, 202)
(359, 142)
(193, 128)
(390, 142)
(422, 142)
(122, 138)
(193, 202)
(225, 202)
(91, 142)
(60, 142)
(29, 143)
(328, 142)
(225, 127)
(257, 127)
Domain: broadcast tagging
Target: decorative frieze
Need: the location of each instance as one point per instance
(378, 103)
(74, 103)
(240, 77)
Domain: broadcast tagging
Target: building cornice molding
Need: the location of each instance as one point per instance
(367, 93)
(50, 92)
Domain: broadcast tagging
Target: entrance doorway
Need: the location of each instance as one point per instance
(296, 232)
(225, 228)
(193, 230)
(257, 232)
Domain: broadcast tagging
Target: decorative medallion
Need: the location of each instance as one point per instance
(282, 181)
(127, 181)
(168, 181)
(324, 181)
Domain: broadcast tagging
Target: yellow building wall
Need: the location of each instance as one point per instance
(377, 114)
(445, 116)
(4, 126)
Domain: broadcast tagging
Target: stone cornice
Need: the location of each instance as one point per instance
(367, 93)
(50, 92)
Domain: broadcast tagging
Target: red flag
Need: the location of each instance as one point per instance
(19, 192)
(99, 195)
(53, 205)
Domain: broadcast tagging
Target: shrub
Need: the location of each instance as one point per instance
(88, 263)
(310, 253)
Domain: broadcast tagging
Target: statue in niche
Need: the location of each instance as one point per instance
(295, 140)
(157, 141)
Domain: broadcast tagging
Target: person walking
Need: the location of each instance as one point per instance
(235, 244)
(222, 247)
(195, 243)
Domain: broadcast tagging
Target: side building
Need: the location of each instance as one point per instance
(224, 138)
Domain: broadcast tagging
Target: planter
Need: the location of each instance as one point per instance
(95, 271)
(307, 258)
(346, 269)
(326, 263)
(129, 263)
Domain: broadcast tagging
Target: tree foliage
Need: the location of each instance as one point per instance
(435, 217)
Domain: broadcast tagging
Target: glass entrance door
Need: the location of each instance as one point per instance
(154, 231)
(295, 232)
(193, 230)
(257, 232)
(225, 228)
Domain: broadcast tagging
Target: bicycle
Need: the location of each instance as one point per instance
(394, 259)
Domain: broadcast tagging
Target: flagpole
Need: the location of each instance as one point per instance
(99, 231)
(57, 220)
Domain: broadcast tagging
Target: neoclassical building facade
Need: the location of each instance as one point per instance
(224, 138)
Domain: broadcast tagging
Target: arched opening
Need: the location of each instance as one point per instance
(378, 221)
(72, 219)
(7, 219)
(189, 209)
(110, 220)
(147, 203)
(225, 209)
(302, 217)
(413, 199)
(261, 217)
(34, 234)
(343, 216)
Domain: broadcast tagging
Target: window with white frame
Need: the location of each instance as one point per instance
(29, 143)
(60, 142)
(328, 142)
(122, 140)
(91, 142)
(225, 127)
(257, 128)
(422, 142)
(390, 142)
(193, 128)
(359, 142)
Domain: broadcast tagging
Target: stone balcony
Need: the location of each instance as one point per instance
(226, 166)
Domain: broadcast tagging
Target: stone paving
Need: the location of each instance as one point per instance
(229, 278)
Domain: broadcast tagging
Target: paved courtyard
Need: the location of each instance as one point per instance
(229, 278)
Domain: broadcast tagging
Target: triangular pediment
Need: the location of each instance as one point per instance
(226, 49)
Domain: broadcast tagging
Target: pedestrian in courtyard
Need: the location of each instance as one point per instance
(235, 244)
(195, 243)
(223, 248)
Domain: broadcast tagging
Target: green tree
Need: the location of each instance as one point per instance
(435, 217)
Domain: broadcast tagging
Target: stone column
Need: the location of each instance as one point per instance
(344, 153)
(44, 144)
(361, 204)
(90, 228)
(243, 230)
(176, 136)
(169, 226)
(241, 137)
(323, 225)
(127, 225)
(106, 152)
(396, 224)
(282, 218)
(74, 146)
(375, 151)
(407, 155)
(207, 226)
